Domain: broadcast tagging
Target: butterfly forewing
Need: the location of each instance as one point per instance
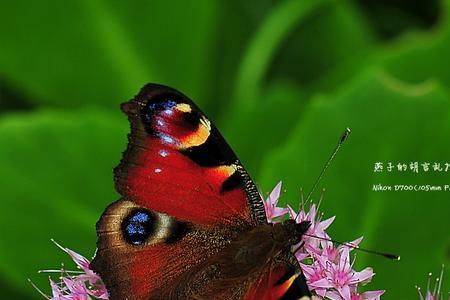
(178, 163)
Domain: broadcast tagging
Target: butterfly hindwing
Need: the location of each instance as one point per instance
(281, 281)
(140, 260)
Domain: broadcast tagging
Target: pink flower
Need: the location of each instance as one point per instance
(371, 295)
(74, 285)
(327, 269)
(270, 205)
(317, 228)
(333, 276)
(342, 277)
(315, 274)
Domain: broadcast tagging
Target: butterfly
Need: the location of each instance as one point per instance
(190, 223)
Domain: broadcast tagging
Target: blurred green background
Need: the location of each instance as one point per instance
(281, 79)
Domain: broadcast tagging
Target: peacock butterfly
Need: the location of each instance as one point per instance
(191, 223)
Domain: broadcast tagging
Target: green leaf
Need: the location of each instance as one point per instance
(56, 180)
(280, 22)
(424, 58)
(267, 105)
(413, 57)
(271, 60)
(299, 42)
(391, 121)
(82, 52)
(267, 125)
(331, 36)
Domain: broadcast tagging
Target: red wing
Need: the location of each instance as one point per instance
(178, 163)
(281, 282)
(185, 196)
(155, 266)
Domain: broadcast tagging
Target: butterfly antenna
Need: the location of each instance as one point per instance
(356, 247)
(341, 141)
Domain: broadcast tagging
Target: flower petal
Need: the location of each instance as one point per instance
(372, 295)
(363, 276)
(275, 194)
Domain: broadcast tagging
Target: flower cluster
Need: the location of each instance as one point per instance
(328, 269)
(77, 285)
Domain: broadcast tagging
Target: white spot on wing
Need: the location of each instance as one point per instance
(163, 153)
(167, 139)
(168, 112)
(160, 123)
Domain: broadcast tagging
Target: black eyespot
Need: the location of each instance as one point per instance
(138, 226)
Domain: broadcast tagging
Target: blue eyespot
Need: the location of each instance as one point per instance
(161, 106)
(164, 104)
(138, 226)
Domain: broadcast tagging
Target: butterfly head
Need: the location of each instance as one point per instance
(290, 232)
(294, 231)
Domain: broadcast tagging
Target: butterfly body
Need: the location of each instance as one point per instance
(190, 223)
(231, 271)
